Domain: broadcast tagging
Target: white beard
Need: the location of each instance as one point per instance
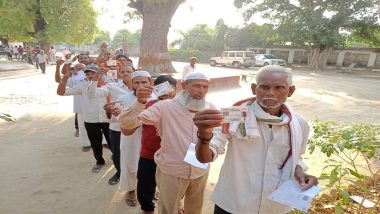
(189, 102)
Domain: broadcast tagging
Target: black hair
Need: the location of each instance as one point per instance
(121, 56)
(163, 78)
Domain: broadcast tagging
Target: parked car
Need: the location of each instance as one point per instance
(2, 49)
(269, 59)
(235, 59)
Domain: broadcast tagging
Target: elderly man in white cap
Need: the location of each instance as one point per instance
(189, 68)
(176, 176)
(131, 141)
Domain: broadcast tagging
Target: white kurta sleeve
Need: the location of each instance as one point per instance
(305, 131)
(218, 142)
(94, 92)
(76, 90)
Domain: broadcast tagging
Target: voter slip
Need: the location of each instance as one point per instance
(234, 114)
(118, 104)
(162, 89)
(289, 193)
(111, 63)
(112, 74)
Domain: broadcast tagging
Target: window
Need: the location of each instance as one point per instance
(224, 55)
(239, 54)
(231, 54)
(249, 54)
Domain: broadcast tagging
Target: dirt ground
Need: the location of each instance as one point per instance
(43, 169)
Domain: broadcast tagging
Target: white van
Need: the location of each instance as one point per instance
(235, 59)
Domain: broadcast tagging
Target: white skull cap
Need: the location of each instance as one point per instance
(197, 76)
(141, 74)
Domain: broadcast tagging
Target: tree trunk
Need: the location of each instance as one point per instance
(154, 56)
(313, 58)
(45, 46)
(323, 57)
(318, 59)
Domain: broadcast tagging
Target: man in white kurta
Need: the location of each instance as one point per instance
(189, 68)
(130, 144)
(75, 79)
(114, 90)
(95, 119)
(262, 152)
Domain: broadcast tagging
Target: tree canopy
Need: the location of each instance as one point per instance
(52, 21)
(316, 23)
(131, 39)
(102, 36)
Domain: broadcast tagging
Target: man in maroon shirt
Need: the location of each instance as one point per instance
(150, 143)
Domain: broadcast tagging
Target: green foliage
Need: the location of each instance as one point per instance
(53, 21)
(212, 42)
(345, 146)
(200, 37)
(7, 117)
(131, 39)
(102, 36)
(184, 55)
(313, 23)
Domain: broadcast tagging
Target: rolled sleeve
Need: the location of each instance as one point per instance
(94, 92)
(72, 91)
(218, 143)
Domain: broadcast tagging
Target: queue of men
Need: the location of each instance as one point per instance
(151, 136)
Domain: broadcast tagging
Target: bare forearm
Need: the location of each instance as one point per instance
(57, 75)
(65, 68)
(128, 132)
(62, 86)
(203, 151)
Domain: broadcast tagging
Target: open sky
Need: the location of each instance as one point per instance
(190, 13)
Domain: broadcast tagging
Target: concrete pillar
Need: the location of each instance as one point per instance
(339, 61)
(291, 56)
(371, 60)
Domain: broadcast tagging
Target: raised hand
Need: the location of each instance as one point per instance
(143, 93)
(206, 121)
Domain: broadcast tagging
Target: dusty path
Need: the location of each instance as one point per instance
(43, 170)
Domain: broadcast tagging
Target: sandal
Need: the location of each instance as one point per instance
(131, 200)
(86, 148)
(96, 168)
(114, 180)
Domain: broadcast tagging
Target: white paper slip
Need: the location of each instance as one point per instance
(112, 74)
(359, 200)
(234, 114)
(162, 89)
(190, 158)
(111, 63)
(118, 105)
(290, 194)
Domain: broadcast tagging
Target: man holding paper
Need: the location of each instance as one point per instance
(264, 150)
(173, 119)
(113, 91)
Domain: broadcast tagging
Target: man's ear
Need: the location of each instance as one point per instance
(183, 85)
(253, 88)
(291, 90)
